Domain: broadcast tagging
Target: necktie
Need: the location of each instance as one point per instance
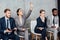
(7, 23)
(54, 20)
(8, 26)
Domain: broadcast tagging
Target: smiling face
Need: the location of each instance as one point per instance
(55, 12)
(8, 14)
(42, 14)
(20, 12)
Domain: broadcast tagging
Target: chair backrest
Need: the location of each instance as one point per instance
(32, 25)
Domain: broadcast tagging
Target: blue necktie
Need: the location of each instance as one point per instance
(54, 20)
(7, 23)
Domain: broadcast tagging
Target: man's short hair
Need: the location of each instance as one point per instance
(6, 10)
(54, 9)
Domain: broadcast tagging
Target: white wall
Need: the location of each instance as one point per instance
(43, 4)
(38, 4)
(24, 4)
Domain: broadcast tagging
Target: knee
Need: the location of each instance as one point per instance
(44, 31)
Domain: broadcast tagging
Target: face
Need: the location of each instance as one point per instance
(8, 14)
(20, 12)
(42, 13)
(55, 12)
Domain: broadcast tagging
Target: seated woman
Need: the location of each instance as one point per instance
(41, 25)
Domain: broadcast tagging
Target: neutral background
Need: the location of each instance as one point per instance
(24, 4)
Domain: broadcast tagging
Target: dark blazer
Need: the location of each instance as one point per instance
(3, 24)
(40, 24)
(59, 20)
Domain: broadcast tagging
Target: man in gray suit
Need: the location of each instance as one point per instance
(53, 22)
(20, 21)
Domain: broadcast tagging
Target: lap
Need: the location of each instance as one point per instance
(11, 36)
(22, 32)
(53, 30)
(40, 31)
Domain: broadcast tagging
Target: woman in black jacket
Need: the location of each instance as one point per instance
(41, 25)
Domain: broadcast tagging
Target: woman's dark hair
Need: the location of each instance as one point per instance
(42, 10)
(6, 10)
(18, 10)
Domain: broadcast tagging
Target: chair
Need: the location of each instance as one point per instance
(51, 33)
(23, 37)
(33, 24)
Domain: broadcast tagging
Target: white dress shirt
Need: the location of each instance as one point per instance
(6, 24)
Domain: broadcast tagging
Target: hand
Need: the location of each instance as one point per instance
(9, 31)
(53, 26)
(23, 29)
(31, 6)
(15, 29)
(41, 28)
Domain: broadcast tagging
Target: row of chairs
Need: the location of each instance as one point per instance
(32, 26)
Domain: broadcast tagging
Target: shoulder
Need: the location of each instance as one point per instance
(38, 18)
(2, 18)
(11, 18)
(16, 18)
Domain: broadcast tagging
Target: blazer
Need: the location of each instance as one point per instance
(24, 17)
(59, 20)
(40, 24)
(3, 24)
(50, 21)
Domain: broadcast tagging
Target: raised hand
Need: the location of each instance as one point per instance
(31, 6)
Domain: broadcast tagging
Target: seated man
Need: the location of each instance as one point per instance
(53, 22)
(7, 26)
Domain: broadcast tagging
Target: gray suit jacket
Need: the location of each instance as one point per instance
(18, 24)
(50, 21)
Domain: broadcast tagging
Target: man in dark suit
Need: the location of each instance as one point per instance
(7, 26)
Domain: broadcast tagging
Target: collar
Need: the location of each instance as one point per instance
(6, 18)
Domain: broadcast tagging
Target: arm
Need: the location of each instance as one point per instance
(30, 10)
(1, 29)
(37, 23)
(14, 25)
(28, 14)
(48, 22)
(38, 26)
(57, 25)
